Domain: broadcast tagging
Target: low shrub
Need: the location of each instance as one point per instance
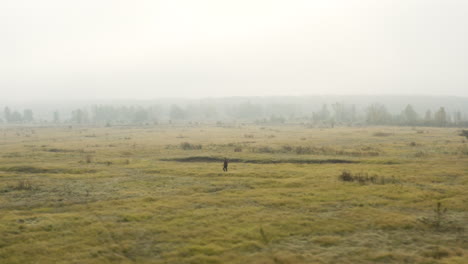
(264, 149)
(382, 134)
(188, 146)
(365, 178)
(420, 154)
(464, 133)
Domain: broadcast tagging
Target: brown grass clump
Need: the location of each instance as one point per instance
(23, 185)
(382, 134)
(188, 146)
(365, 178)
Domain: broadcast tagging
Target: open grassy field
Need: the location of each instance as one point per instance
(157, 194)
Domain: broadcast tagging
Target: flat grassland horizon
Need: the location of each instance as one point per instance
(292, 194)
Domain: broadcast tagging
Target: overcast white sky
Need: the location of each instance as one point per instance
(58, 49)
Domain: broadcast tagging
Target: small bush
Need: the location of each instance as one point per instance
(304, 150)
(365, 178)
(381, 134)
(346, 176)
(89, 159)
(264, 149)
(287, 148)
(420, 154)
(188, 146)
(464, 133)
(248, 135)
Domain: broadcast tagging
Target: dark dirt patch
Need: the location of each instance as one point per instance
(273, 161)
(31, 169)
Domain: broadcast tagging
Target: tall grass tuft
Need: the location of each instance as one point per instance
(438, 220)
(23, 185)
(264, 237)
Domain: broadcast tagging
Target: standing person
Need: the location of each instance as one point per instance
(225, 164)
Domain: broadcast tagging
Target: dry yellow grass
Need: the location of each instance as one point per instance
(115, 195)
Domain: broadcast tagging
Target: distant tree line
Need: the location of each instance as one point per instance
(15, 116)
(378, 115)
(326, 115)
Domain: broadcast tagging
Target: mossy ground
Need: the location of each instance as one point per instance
(110, 195)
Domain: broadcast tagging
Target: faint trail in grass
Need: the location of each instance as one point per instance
(111, 235)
